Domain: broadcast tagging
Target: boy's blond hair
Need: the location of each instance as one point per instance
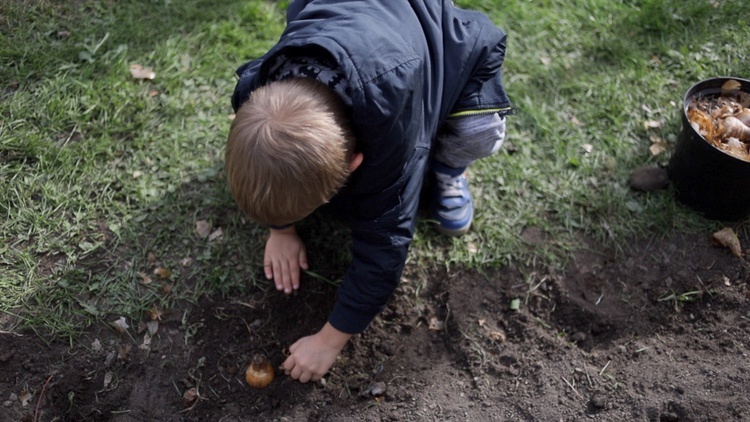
(288, 150)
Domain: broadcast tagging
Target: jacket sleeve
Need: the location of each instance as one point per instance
(379, 250)
(378, 257)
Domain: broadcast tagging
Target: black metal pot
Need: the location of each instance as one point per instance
(706, 178)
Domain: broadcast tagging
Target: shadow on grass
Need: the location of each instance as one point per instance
(156, 259)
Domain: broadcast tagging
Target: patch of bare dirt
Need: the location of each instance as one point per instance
(656, 333)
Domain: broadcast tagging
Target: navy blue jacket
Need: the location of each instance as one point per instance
(409, 65)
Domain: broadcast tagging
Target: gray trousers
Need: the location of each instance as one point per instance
(465, 139)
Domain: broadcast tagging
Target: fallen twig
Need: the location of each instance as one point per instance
(572, 388)
(39, 401)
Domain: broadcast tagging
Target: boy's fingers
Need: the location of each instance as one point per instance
(277, 276)
(296, 372)
(288, 365)
(305, 377)
(268, 268)
(283, 277)
(295, 278)
(288, 279)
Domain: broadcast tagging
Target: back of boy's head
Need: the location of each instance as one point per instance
(288, 150)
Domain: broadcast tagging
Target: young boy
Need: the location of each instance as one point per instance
(355, 105)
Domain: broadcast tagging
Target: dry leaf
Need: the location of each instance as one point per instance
(436, 324)
(144, 277)
(190, 397)
(573, 119)
(730, 87)
(657, 149)
(120, 325)
(202, 228)
(155, 313)
(497, 335)
(153, 327)
(217, 234)
(25, 396)
(727, 238)
(123, 352)
(146, 342)
(107, 378)
(163, 273)
(658, 146)
(653, 124)
(96, 345)
(151, 258)
(140, 72)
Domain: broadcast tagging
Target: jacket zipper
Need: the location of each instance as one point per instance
(504, 111)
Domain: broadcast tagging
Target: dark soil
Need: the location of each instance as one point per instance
(660, 332)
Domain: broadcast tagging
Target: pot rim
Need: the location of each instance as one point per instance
(706, 87)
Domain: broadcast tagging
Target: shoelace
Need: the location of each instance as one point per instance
(450, 186)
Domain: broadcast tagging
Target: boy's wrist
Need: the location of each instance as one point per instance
(333, 336)
(288, 229)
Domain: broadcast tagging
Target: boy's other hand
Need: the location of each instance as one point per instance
(312, 356)
(284, 257)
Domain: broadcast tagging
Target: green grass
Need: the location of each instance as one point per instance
(103, 178)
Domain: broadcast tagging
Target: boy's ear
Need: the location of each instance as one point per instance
(356, 160)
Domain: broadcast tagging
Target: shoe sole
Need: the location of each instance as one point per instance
(456, 232)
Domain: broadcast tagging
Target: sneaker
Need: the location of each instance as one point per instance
(452, 205)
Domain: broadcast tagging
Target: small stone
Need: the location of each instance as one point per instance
(110, 359)
(578, 337)
(648, 179)
(599, 401)
(669, 417)
(378, 389)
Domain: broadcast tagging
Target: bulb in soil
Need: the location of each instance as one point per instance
(260, 372)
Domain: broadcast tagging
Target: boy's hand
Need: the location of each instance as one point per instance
(312, 356)
(285, 255)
